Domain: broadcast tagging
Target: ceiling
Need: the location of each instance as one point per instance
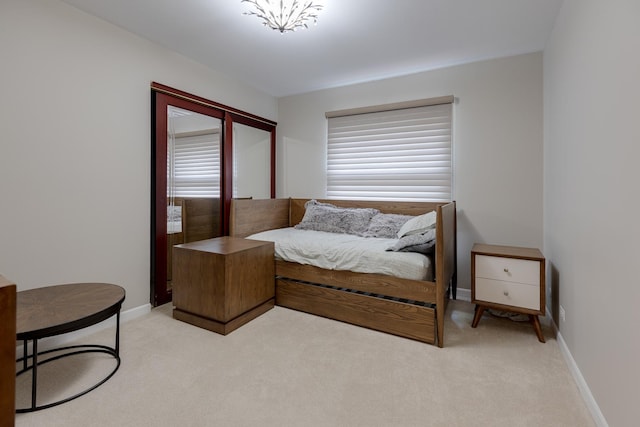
(354, 40)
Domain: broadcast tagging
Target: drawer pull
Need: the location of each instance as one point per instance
(506, 270)
(506, 293)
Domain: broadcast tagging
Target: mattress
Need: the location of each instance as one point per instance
(333, 251)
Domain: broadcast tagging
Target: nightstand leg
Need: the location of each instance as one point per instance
(536, 325)
(477, 316)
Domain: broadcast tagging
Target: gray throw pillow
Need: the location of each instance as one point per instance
(386, 225)
(333, 219)
(421, 243)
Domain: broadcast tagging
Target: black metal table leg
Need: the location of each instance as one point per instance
(34, 373)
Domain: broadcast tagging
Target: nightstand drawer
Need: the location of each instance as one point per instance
(507, 293)
(508, 269)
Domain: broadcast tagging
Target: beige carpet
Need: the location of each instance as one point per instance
(288, 368)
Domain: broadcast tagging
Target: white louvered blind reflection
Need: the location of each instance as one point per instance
(401, 154)
(197, 166)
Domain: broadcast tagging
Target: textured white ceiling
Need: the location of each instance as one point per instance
(354, 40)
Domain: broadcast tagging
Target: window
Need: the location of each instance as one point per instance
(394, 152)
(195, 165)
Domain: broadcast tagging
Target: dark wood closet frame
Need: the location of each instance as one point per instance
(161, 98)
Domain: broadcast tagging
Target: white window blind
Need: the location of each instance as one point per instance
(196, 166)
(400, 154)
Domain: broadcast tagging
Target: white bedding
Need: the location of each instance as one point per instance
(174, 227)
(335, 251)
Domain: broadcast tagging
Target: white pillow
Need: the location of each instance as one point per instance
(174, 213)
(418, 224)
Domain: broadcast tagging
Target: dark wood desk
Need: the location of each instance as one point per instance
(54, 310)
(7, 352)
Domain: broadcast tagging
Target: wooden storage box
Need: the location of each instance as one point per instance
(220, 284)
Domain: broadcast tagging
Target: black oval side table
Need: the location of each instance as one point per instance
(54, 310)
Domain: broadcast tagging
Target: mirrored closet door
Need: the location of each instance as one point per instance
(203, 154)
(251, 162)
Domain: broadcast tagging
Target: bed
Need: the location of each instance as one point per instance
(411, 307)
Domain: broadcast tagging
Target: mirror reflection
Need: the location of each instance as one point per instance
(203, 154)
(251, 162)
(193, 178)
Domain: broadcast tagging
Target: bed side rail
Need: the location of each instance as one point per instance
(249, 216)
(446, 263)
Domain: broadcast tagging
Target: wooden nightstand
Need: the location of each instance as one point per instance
(220, 284)
(508, 278)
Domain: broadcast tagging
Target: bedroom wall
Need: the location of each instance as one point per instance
(75, 145)
(591, 151)
(497, 144)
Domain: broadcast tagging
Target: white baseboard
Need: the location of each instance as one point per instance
(135, 312)
(62, 340)
(585, 391)
(463, 294)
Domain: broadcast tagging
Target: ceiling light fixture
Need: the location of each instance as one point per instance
(285, 15)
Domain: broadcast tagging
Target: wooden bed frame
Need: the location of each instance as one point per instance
(409, 308)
